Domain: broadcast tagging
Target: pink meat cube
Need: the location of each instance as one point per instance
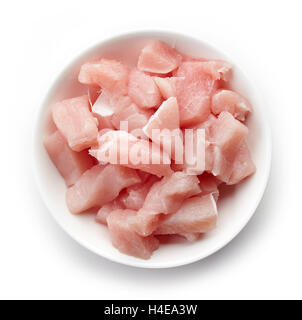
(111, 75)
(243, 165)
(69, 163)
(143, 90)
(227, 135)
(163, 128)
(109, 103)
(232, 102)
(167, 195)
(120, 147)
(75, 122)
(164, 197)
(228, 132)
(98, 186)
(125, 239)
(158, 57)
(196, 215)
(194, 94)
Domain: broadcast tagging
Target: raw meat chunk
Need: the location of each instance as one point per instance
(194, 94)
(76, 123)
(99, 185)
(232, 102)
(163, 128)
(120, 147)
(227, 135)
(167, 195)
(125, 239)
(108, 74)
(196, 215)
(243, 165)
(157, 57)
(69, 163)
(228, 132)
(109, 103)
(143, 90)
(164, 197)
(165, 117)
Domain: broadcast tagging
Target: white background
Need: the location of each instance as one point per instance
(38, 260)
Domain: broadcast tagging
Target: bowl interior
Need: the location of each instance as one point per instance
(236, 205)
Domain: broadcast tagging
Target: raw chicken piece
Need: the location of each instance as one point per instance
(194, 94)
(143, 90)
(125, 239)
(164, 197)
(99, 185)
(75, 122)
(196, 215)
(108, 74)
(109, 103)
(167, 195)
(232, 102)
(228, 132)
(136, 117)
(165, 117)
(69, 163)
(163, 128)
(243, 165)
(227, 135)
(158, 57)
(120, 147)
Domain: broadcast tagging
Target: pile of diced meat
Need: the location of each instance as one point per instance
(140, 202)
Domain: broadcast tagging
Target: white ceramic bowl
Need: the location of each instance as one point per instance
(236, 206)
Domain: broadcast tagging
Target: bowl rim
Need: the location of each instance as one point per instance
(137, 262)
